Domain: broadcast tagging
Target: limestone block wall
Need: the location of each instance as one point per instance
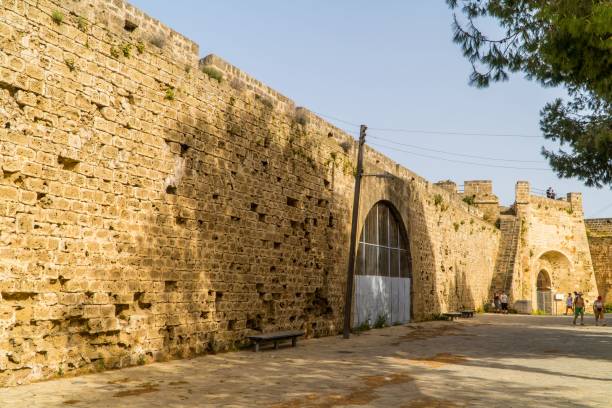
(599, 232)
(148, 210)
(552, 238)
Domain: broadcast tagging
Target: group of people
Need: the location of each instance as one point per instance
(500, 301)
(576, 305)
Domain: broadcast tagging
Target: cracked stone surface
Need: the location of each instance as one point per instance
(491, 360)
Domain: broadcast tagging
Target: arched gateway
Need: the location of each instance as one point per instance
(544, 292)
(383, 270)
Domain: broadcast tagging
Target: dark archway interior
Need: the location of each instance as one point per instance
(543, 283)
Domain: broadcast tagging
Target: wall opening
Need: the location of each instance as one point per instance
(544, 292)
(384, 269)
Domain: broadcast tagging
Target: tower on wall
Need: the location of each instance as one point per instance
(552, 256)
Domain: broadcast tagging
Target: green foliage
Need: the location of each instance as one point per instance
(140, 47)
(82, 24)
(365, 326)
(557, 43)
(438, 200)
(114, 52)
(608, 308)
(170, 94)
(60, 370)
(469, 200)
(57, 17)
(141, 360)
(212, 73)
(265, 100)
(301, 117)
(100, 364)
(381, 321)
(159, 41)
(126, 49)
(70, 64)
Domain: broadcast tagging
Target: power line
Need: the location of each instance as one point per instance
(453, 154)
(429, 132)
(458, 161)
(603, 209)
(439, 132)
(337, 119)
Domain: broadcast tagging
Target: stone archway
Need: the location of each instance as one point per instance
(383, 270)
(552, 274)
(544, 292)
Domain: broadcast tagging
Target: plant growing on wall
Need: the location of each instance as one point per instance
(301, 117)
(82, 24)
(159, 41)
(57, 17)
(70, 64)
(469, 200)
(126, 49)
(212, 73)
(438, 200)
(114, 52)
(170, 94)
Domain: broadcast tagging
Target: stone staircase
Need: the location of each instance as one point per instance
(510, 227)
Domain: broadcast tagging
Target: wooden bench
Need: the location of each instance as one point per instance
(467, 313)
(451, 315)
(276, 337)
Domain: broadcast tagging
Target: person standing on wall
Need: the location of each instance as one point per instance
(579, 309)
(598, 309)
(503, 298)
(569, 304)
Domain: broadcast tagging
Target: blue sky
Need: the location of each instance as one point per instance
(388, 64)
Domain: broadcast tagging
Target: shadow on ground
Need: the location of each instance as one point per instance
(514, 361)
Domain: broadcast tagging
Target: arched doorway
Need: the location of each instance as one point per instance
(383, 270)
(552, 271)
(544, 292)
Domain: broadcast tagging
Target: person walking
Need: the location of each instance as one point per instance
(496, 302)
(569, 304)
(598, 309)
(503, 299)
(579, 309)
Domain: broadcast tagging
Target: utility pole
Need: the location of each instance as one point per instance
(351, 261)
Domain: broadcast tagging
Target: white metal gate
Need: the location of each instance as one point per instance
(545, 301)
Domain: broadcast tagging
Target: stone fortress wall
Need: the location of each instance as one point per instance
(537, 234)
(599, 233)
(149, 210)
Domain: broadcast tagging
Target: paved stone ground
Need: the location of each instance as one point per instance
(491, 360)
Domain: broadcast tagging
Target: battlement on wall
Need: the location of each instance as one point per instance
(123, 19)
(239, 79)
(599, 226)
(523, 195)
